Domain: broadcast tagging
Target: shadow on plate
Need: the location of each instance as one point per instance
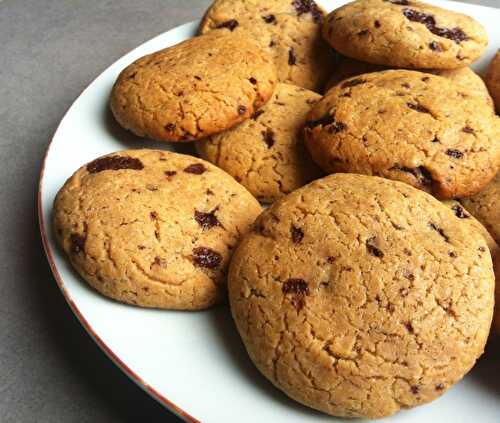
(228, 337)
(487, 371)
(131, 141)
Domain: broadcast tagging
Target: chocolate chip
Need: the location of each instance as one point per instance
(363, 32)
(377, 24)
(207, 220)
(455, 34)
(141, 247)
(272, 43)
(252, 80)
(456, 154)
(269, 19)
(153, 215)
(439, 387)
(452, 254)
(460, 212)
(308, 6)
(297, 234)
(418, 108)
(158, 261)
(257, 114)
(482, 249)
(327, 121)
(170, 127)
(399, 2)
(231, 24)
(197, 77)
(435, 46)
(425, 79)
(372, 248)
(77, 243)
(409, 327)
(114, 163)
(421, 174)
(242, 110)
(170, 173)
(352, 83)
(268, 136)
(299, 289)
(414, 389)
(331, 259)
(408, 275)
(435, 139)
(205, 257)
(439, 231)
(196, 169)
(292, 59)
(468, 130)
(209, 192)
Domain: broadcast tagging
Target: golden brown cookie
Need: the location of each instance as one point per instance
(406, 34)
(289, 29)
(485, 207)
(153, 228)
(470, 82)
(194, 89)
(493, 80)
(466, 217)
(360, 296)
(266, 153)
(410, 126)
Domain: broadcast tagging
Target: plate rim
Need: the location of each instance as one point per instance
(42, 226)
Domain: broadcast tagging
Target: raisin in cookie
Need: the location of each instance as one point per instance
(266, 153)
(405, 33)
(493, 80)
(153, 228)
(485, 207)
(194, 89)
(289, 29)
(466, 217)
(410, 126)
(469, 81)
(360, 296)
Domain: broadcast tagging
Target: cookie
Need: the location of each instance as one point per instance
(493, 80)
(485, 207)
(194, 89)
(289, 29)
(410, 126)
(153, 228)
(466, 217)
(360, 296)
(470, 82)
(266, 153)
(406, 34)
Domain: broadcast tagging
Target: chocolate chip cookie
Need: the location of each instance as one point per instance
(410, 126)
(194, 89)
(485, 207)
(360, 296)
(470, 82)
(153, 228)
(406, 34)
(266, 153)
(289, 29)
(493, 80)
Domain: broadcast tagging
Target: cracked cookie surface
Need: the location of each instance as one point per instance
(360, 296)
(469, 81)
(407, 34)
(194, 89)
(153, 228)
(415, 127)
(289, 29)
(485, 207)
(266, 153)
(493, 80)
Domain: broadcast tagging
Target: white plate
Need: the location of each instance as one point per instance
(194, 363)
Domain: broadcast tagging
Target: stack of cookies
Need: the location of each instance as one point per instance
(359, 293)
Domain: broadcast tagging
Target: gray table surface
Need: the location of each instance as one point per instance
(50, 370)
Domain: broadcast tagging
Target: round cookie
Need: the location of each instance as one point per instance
(289, 29)
(466, 217)
(406, 34)
(153, 228)
(410, 126)
(359, 296)
(194, 89)
(469, 81)
(266, 153)
(493, 80)
(485, 207)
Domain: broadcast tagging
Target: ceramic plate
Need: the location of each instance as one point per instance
(194, 363)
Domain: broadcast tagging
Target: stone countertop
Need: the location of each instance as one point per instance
(50, 369)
